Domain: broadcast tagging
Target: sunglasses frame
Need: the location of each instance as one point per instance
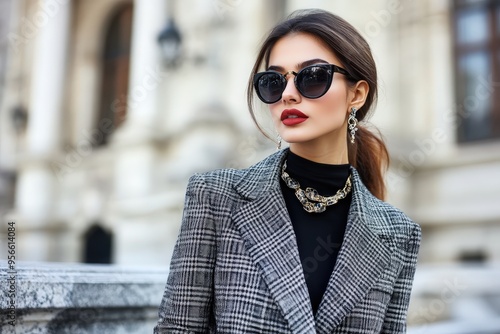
(332, 70)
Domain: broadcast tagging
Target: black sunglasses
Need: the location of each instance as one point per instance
(312, 82)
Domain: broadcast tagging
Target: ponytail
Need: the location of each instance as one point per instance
(369, 156)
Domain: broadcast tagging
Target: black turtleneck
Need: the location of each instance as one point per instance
(319, 235)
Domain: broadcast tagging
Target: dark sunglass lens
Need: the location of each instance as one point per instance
(314, 81)
(270, 87)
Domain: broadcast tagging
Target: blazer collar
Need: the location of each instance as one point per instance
(262, 177)
(365, 253)
(268, 236)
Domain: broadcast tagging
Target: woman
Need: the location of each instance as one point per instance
(300, 242)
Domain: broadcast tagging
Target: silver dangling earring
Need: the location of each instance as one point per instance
(352, 124)
(278, 138)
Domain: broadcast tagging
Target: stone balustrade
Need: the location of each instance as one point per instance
(79, 298)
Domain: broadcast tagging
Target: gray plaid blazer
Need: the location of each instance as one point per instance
(236, 266)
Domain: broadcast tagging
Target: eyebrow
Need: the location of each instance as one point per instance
(299, 65)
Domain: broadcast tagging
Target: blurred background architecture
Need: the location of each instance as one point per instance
(108, 106)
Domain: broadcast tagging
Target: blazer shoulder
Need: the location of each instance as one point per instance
(385, 218)
(216, 182)
(388, 219)
(400, 224)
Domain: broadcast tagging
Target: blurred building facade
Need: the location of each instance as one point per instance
(100, 134)
(98, 131)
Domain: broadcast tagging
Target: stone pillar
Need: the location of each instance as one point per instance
(49, 77)
(136, 155)
(37, 184)
(146, 72)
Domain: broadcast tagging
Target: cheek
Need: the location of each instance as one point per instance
(335, 102)
(275, 111)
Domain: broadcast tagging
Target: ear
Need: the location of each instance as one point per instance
(358, 94)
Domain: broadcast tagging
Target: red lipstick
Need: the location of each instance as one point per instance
(291, 117)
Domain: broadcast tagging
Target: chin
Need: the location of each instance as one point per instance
(297, 140)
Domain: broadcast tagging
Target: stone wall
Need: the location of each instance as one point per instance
(78, 298)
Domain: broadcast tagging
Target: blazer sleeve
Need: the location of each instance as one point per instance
(186, 306)
(395, 318)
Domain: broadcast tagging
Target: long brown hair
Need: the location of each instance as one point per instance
(368, 154)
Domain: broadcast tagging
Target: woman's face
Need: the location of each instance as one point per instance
(322, 128)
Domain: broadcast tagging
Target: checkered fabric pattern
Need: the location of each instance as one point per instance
(236, 267)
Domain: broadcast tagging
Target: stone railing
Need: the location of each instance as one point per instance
(108, 299)
(78, 298)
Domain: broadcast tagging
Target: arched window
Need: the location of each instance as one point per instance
(115, 75)
(98, 245)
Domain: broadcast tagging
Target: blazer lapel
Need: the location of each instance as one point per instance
(268, 235)
(364, 255)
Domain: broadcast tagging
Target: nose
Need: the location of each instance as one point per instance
(290, 94)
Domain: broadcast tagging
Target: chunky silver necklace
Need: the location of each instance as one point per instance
(321, 202)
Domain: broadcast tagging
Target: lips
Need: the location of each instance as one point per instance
(291, 117)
